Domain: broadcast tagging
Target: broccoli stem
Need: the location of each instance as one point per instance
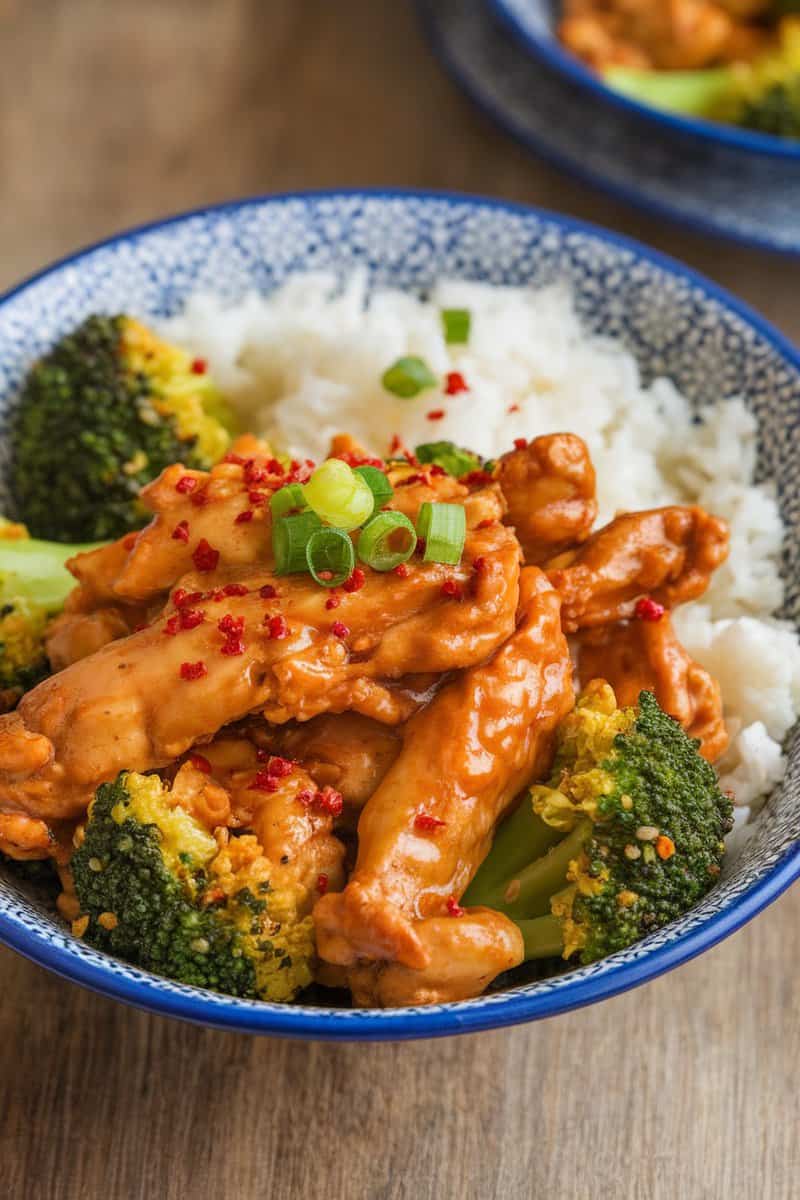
(542, 937)
(521, 839)
(526, 892)
(694, 93)
(34, 570)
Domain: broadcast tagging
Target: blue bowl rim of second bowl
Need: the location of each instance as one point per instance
(498, 1010)
(549, 50)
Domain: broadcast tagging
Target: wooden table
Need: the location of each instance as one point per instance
(112, 114)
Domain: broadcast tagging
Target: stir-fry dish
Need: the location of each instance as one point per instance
(735, 61)
(395, 725)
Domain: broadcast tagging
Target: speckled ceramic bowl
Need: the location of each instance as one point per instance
(533, 23)
(673, 321)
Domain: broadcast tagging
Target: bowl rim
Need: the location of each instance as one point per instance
(549, 50)
(497, 1010)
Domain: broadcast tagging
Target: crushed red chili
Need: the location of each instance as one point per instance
(339, 629)
(182, 599)
(231, 626)
(267, 592)
(521, 443)
(181, 532)
(199, 366)
(401, 570)
(452, 589)
(232, 646)
(235, 459)
(256, 499)
(476, 479)
(201, 763)
(512, 408)
(306, 797)
(262, 781)
(244, 517)
(425, 823)
(172, 626)
(455, 383)
(648, 610)
(205, 557)
(454, 909)
(235, 589)
(190, 618)
(186, 484)
(277, 626)
(435, 470)
(195, 670)
(329, 800)
(254, 474)
(332, 602)
(280, 767)
(356, 581)
(436, 414)
(274, 467)
(199, 499)
(480, 565)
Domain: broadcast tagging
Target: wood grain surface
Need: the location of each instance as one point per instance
(115, 113)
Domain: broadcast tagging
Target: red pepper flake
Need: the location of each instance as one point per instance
(254, 474)
(181, 532)
(360, 460)
(280, 767)
(330, 801)
(356, 581)
(190, 618)
(235, 589)
(436, 414)
(416, 477)
(173, 626)
(305, 797)
(231, 626)
(455, 383)
(486, 523)
(195, 670)
(235, 459)
(452, 589)
(200, 499)
(262, 781)
(648, 610)
(454, 909)
(201, 763)
(256, 499)
(205, 557)
(520, 443)
(182, 599)
(325, 575)
(267, 592)
(401, 570)
(218, 595)
(480, 565)
(476, 479)
(244, 517)
(277, 627)
(512, 408)
(186, 484)
(435, 470)
(322, 884)
(199, 366)
(425, 823)
(332, 602)
(340, 630)
(232, 647)
(274, 467)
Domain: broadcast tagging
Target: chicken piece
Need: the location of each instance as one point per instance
(464, 956)
(74, 635)
(549, 487)
(23, 837)
(291, 821)
(666, 553)
(346, 751)
(426, 829)
(141, 702)
(637, 656)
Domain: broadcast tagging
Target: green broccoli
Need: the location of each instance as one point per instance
(154, 888)
(763, 95)
(34, 584)
(101, 415)
(628, 834)
(449, 457)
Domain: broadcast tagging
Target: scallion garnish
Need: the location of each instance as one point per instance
(287, 499)
(456, 323)
(444, 528)
(386, 541)
(338, 495)
(378, 484)
(330, 556)
(407, 377)
(290, 536)
(449, 457)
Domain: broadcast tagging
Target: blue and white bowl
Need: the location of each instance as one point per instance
(717, 348)
(533, 23)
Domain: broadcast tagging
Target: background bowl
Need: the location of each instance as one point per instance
(533, 23)
(674, 322)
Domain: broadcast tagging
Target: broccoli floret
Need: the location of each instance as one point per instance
(450, 457)
(154, 888)
(101, 415)
(763, 95)
(34, 583)
(626, 836)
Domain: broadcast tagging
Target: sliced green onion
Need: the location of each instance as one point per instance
(378, 484)
(386, 541)
(408, 377)
(456, 323)
(444, 528)
(330, 556)
(338, 495)
(287, 499)
(290, 536)
(448, 456)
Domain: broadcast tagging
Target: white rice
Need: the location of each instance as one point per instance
(306, 362)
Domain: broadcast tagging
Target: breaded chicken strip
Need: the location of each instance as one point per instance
(666, 553)
(426, 829)
(549, 487)
(636, 656)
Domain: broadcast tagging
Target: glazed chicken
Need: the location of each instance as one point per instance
(427, 827)
(667, 554)
(636, 656)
